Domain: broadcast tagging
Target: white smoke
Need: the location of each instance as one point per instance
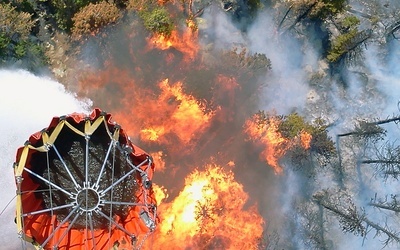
(27, 105)
(286, 86)
(372, 91)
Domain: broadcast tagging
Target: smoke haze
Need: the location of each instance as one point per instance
(121, 74)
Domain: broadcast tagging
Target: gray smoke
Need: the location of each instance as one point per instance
(371, 90)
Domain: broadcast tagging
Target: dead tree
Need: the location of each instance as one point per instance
(365, 133)
(386, 160)
(352, 219)
(302, 13)
(312, 226)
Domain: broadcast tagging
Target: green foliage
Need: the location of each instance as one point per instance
(4, 43)
(36, 53)
(350, 22)
(346, 41)
(16, 39)
(64, 10)
(141, 5)
(341, 45)
(321, 143)
(158, 21)
(15, 23)
(318, 9)
(21, 5)
(15, 29)
(94, 16)
(326, 8)
(292, 125)
(20, 50)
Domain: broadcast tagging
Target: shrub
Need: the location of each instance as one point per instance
(64, 10)
(94, 16)
(157, 21)
(15, 27)
(14, 23)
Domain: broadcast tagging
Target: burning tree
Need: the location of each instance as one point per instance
(290, 136)
(209, 213)
(190, 104)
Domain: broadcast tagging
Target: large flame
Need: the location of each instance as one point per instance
(184, 130)
(265, 131)
(155, 116)
(185, 42)
(180, 114)
(209, 213)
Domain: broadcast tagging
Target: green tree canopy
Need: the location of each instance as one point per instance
(157, 20)
(15, 27)
(13, 22)
(320, 9)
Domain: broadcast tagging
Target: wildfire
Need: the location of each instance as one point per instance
(160, 193)
(155, 115)
(179, 113)
(305, 139)
(186, 42)
(209, 213)
(224, 95)
(158, 160)
(266, 132)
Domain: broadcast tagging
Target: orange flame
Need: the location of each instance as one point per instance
(267, 134)
(183, 115)
(158, 160)
(305, 139)
(161, 42)
(265, 131)
(186, 43)
(209, 213)
(160, 193)
(168, 117)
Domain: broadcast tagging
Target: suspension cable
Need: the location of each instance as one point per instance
(50, 188)
(111, 194)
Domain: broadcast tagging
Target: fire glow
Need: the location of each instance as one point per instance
(209, 213)
(265, 131)
(185, 116)
(192, 124)
(185, 42)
